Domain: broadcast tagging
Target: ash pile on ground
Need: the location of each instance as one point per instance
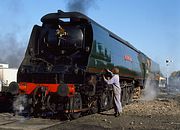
(159, 106)
(162, 113)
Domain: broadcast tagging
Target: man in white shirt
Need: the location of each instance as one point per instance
(114, 80)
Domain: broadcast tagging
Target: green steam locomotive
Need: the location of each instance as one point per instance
(64, 62)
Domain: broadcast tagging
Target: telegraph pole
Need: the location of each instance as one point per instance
(167, 73)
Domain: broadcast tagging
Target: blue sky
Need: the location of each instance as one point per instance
(152, 26)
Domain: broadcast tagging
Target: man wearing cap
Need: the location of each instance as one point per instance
(114, 80)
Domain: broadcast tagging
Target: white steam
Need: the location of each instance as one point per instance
(151, 89)
(20, 104)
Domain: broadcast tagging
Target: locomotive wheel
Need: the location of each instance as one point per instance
(106, 101)
(127, 94)
(94, 107)
(76, 106)
(52, 103)
(130, 95)
(137, 92)
(123, 96)
(111, 100)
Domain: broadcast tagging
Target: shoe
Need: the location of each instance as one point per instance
(117, 114)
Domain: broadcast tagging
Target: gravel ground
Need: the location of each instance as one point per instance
(163, 113)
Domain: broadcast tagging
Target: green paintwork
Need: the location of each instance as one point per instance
(107, 52)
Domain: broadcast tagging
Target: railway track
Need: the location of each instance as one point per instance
(8, 121)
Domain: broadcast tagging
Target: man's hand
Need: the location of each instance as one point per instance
(109, 73)
(103, 77)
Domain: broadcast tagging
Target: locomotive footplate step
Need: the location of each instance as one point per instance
(8, 121)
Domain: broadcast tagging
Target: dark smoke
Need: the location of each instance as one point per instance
(80, 5)
(11, 50)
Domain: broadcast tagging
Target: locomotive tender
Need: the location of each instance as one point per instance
(64, 60)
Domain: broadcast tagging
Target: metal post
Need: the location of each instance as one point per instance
(167, 63)
(167, 73)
